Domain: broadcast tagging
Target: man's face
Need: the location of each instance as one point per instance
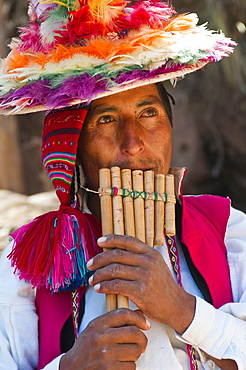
(130, 130)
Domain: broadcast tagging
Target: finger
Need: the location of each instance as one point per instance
(133, 290)
(115, 271)
(121, 317)
(111, 361)
(123, 242)
(115, 255)
(127, 250)
(129, 335)
(128, 352)
(130, 365)
(122, 352)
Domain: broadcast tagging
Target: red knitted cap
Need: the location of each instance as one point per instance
(61, 133)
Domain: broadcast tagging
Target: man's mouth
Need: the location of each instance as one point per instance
(143, 166)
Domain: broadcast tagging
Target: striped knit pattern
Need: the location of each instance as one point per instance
(59, 148)
(65, 160)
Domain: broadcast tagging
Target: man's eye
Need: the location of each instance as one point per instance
(149, 112)
(105, 119)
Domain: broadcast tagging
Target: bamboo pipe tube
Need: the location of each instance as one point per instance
(107, 222)
(136, 207)
(159, 210)
(137, 181)
(129, 223)
(149, 208)
(170, 206)
(117, 202)
(122, 302)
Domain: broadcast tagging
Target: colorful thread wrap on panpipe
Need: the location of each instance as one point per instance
(136, 203)
(134, 194)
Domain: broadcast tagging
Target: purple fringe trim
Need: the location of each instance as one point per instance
(85, 87)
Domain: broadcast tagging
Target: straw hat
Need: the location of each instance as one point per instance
(74, 51)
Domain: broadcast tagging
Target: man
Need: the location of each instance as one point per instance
(136, 128)
(134, 124)
(169, 324)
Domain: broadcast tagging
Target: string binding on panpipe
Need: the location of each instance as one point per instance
(136, 203)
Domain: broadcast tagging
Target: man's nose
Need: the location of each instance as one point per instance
(131, 138)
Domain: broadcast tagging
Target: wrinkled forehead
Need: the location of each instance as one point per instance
(137, 97)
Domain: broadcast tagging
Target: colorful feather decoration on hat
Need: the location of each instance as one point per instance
(105, 11)
(101, 42)
(69, 4)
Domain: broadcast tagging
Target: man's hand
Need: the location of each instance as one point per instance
(139, 272)
(113, 341)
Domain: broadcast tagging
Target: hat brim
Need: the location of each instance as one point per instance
(69, 75)
(171, 76)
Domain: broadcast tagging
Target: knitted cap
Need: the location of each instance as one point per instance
(61, 133)
(52, 250)
(74, 51)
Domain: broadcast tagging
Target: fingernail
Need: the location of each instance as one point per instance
(90, 280)
(97, 287)
(148, 323)
(102, 239)
(89, 263)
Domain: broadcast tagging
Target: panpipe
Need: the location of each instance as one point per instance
(136, 203)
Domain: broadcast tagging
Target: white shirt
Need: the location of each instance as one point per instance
(220, 333)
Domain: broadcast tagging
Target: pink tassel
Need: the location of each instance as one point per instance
(52, 250)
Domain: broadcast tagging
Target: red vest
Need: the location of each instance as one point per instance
(203, 226)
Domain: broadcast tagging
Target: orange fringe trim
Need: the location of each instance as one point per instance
(102, 48)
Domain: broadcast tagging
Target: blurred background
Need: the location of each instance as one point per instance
(210, 124)
(209, 118)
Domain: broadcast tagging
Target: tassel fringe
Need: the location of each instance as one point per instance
(53, 249)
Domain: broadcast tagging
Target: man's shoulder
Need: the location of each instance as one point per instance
(206, 203)
(206, 209)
